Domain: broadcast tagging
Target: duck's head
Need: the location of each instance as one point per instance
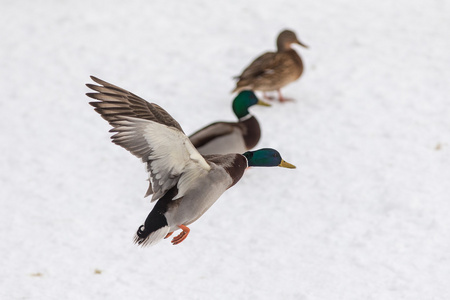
(266, 157)
(243, 101)
(286, 38)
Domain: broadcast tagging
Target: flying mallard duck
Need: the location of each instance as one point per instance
(231, 137)
(184, 183)
(273, 70)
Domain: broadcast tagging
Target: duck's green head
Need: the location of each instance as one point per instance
(243, 101)
(266, 157)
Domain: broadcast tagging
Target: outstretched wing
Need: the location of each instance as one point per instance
(116, 102)
(150, 133)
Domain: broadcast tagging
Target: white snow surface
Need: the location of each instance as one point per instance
(366, 214)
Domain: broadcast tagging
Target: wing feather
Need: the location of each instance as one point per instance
(120, 102)
(259, 66)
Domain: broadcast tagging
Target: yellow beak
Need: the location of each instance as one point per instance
(285, 164)
(260, 102)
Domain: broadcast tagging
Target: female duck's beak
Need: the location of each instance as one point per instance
(301, 44)
(285, 164)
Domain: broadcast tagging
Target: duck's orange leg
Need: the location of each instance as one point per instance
(182, 236)
(281, 98)
(169, 234)
(268, 97)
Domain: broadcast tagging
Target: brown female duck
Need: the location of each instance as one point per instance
(273, 70)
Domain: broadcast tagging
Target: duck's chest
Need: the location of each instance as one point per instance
(296, 65)
(251, 132)
(199, 199)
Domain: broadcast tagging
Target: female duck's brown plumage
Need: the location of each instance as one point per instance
(273, 70)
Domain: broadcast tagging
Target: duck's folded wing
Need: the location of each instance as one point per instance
(210, 132)
(261, 65)
(150, 133)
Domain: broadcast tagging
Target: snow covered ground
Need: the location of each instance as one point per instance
(364, 216)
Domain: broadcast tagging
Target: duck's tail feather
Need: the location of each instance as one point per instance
(154, 229)
(242, 84)
(237, 89)
(153, 238)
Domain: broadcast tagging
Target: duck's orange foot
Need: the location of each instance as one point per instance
(182, 236)
(169, 234)
(282, 99)
(268, 97)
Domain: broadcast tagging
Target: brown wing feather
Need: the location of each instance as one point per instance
(258, 66)
(115, 102)
(271, 71)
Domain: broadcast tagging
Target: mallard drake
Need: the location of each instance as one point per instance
(184, 183)
(231, 137)
(273, 70)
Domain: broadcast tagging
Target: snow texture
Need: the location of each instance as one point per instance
(364, 216)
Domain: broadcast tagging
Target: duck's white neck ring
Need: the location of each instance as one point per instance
(246, 117)
(246, 159)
